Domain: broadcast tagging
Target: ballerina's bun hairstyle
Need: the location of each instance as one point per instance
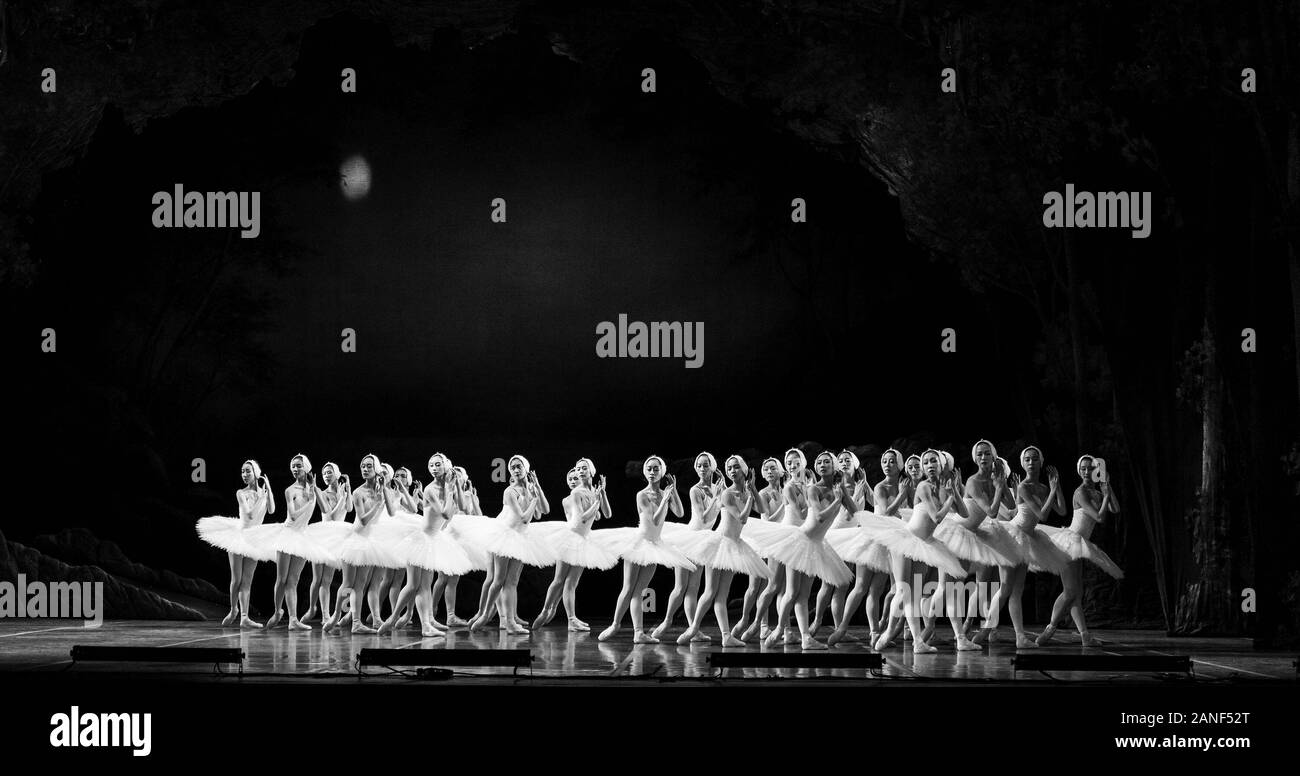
(1027, 449)
(834, 460)
(306, 462)
(446, 462)
(591, 467)
(949, 463)
(257, 467)
(992, 448)
(387, 470)
(897, 457)
(713, 462)
(909, 460)
(780, 467)
(571, 473)
(1006, 467)
(401, 469)
(803, 460)
(744, 467)
(329, 465)
(1076, 463)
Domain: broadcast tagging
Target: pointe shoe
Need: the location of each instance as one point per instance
(640, 637)
(385, 628)
(966, 645)
(659, 631)
(836, 637)
(309, 616)
(248, 622)
(455, 622)
(763, 632)
(732, 641)
(736, 630)
(981, 637)
(1024, 642)
(810, 643)
(1046, 635)
(881, 642)
(360, 628)
(403, 621)
(578, 626)
(432, 633)
(773, 639)
(1088, 640)
(608, 633)
(701, 636)
(585, 625)
(791, 637)
(921, 648)
(230, 618)
(274, 621)
(347, 620)
(686, 638)
(298, 625)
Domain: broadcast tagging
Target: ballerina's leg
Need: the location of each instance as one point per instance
(236, 572)
(645, 573)
(630, 575)
(553, 593)
(570, 597)
(681, 578)
(246, 593)
(861, 578)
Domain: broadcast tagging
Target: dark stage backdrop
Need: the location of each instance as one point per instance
(919, 301)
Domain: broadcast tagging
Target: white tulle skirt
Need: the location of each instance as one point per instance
(436, 551)
(790, 545)
(376, 544)
(898, 538)
(1078, 547)
(632, 545)
(715, 551)
(291, 540)
(857, 546)
(228, 533)
(498, 537)
(588, 550)
(473, 545)
(1038, 550)
(974, 546)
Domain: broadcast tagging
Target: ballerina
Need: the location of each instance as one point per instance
(385, 577)
(293, 547)
(578, 548)
(362, 546)
(851, 468)
(512, 544)
(961, 531)
(987, 493)
(705, 497)
(795, 506)
(1090, 508)
(770, 504)
(1034, 501)
(869, 557)
(726, 554)
(428, 551)
(243, 552)
(445, 587)
(803, 548)
(643, 550)
(913, 541)
(335, 501)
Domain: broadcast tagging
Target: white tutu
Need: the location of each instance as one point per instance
(790, 545)
(369, 545)
(898, 538)
(497, 537)
(282, 537)
(632, 545)
(854, 545)
(436, 551)
(228, 533)
(1078, 547)
(587, 550)
(736, 555)
(1038, 550)
(689, 541)
(974, 546)
(473, 545)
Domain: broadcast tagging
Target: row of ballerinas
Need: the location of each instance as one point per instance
(414, 542)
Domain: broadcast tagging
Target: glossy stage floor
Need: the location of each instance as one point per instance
(31, 646)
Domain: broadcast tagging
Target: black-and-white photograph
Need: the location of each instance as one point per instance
(557, 348)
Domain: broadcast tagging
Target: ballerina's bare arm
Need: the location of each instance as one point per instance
(591, 513)
(605, 509)
(882, 495)
(249, 503)
(659, 512)
(706, 503)
(986, 506)
(832, 508)
(543, 506)
(1025, 494)
(926, 491)
(675, 499)
(772, 500)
